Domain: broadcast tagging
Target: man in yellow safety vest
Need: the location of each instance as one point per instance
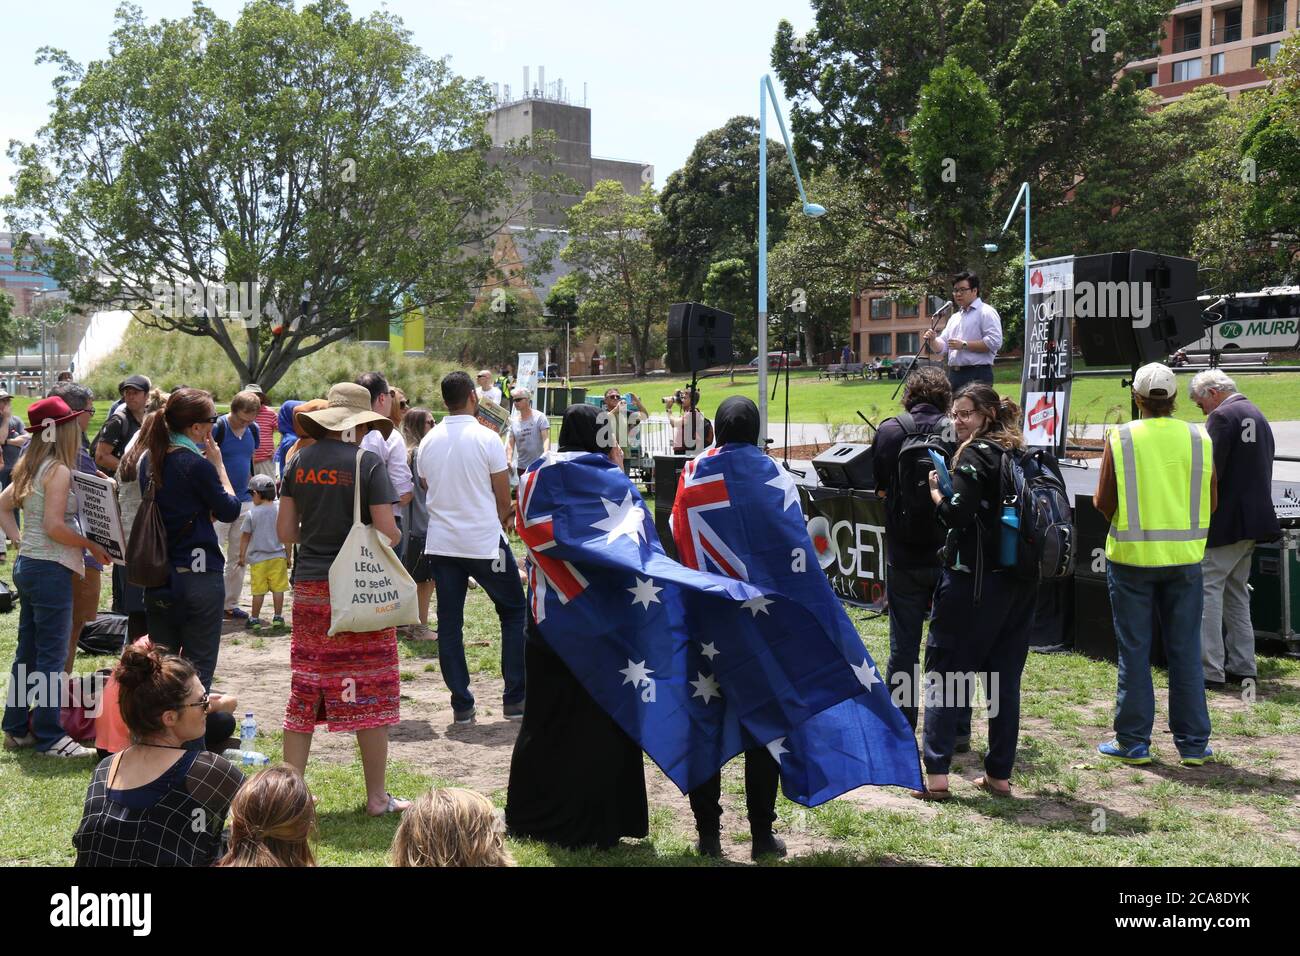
(1158, 487)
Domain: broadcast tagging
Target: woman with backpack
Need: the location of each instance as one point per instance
(982, 609)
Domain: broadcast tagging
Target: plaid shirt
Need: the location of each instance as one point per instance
(183, 827)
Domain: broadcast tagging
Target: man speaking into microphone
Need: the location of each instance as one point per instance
(972, 336)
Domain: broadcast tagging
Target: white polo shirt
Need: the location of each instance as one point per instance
(457, 459)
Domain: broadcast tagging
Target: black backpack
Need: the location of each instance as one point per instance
(909, 489)
(1032, 485)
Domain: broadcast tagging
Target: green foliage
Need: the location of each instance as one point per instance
(170, 361)
(320, 156)
(622, 283)
(562, 301)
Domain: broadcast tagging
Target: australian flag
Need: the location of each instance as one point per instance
(746, 648)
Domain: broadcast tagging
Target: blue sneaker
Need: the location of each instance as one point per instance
(1137, 754)
(1196, 760)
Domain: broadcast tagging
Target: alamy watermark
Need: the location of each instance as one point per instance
(224, 301)
(56, 689)
(1099, 300)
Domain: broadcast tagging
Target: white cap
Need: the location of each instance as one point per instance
(1155, 381)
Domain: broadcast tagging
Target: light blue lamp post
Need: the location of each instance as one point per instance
(992, 246)
(809, 209)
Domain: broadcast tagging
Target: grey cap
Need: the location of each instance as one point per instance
(261, 484)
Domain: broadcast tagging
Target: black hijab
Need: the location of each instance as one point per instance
(736, 421)
(579, 429)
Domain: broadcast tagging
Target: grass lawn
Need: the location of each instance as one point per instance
(837, 402)
(1071, 808)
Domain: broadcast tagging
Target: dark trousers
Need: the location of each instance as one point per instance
(762, 775)
(989, 639)
(451, 581)
(965, 374)
(185, 617)
(909, 592)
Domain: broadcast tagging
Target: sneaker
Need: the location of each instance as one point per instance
(1198, 760)
(463, 716)
(67, 747)
(277, 621)
(1214, 685)
(513, 711)
(236, 614)
(255, 624)
(1137, 754)
(767, 844)
(19, 743)
(1241, 679)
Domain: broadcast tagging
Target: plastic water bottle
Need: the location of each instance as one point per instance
(1010, 534)
(247, 757)
(247, 732)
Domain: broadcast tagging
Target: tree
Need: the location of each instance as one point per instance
(562, 300)
(710, 212)
(318, 166)
(623, 285)
(877, 94)
(15, 330)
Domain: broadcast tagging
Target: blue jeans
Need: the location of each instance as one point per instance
(44, 622)
(185, 617)
(1137, 597)
(451, 580)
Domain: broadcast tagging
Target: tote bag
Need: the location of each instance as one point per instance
(369, 588)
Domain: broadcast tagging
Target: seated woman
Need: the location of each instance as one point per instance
(451, 827)
(576, 779)
(272, 821)
(112, 735)
(157, 803)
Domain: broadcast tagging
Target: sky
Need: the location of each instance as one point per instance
(658, 75)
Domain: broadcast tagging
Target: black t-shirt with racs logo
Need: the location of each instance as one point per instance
(319, 479)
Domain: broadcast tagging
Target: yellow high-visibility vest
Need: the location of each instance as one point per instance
(1163, 469)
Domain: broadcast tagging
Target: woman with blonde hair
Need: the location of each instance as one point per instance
(451, 827)
(49, 553)
(982, 610)
(272, 821)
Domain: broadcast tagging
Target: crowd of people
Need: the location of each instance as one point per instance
(1187, 505)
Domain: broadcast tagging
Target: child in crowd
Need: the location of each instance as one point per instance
(272, 821)
(260, 545)
(451, 827)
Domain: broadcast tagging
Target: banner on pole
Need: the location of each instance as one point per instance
(526, 371)
(1046, 379)
(97, 512)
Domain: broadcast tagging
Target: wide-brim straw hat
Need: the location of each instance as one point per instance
(346, 406)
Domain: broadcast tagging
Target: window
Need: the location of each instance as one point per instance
(908, 310)
(1187, 70)
(880, 309)
(1150, 79)
(878, 344)
(1265, 51)
(1216, 64)
(908, 342)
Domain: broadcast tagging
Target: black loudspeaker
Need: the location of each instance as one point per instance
(1094, 625)
(668, 468)
(1122, 336)
(846, 465)
(1090, 531)
(698, 337)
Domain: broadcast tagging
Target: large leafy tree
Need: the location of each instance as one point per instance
(939, 109)
(710, 210)
(320, 159)
(622, 283)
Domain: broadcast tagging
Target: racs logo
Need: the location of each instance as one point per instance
(322, 476)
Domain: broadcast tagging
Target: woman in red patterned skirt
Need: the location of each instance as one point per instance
(349, 681)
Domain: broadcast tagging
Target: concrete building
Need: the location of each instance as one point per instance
(1216, 41)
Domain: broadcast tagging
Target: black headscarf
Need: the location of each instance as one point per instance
(579, 429)
(736, 421)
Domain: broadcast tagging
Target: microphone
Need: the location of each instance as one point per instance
(946, 305)
(867, 420)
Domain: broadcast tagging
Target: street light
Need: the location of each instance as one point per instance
(809, 209)
(992, 247)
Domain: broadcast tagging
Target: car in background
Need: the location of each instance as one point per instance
(774, 361)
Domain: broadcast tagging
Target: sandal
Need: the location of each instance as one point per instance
(932, 796)
(394, 806)
(983, 784)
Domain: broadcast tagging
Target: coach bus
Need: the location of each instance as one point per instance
(1264, 321)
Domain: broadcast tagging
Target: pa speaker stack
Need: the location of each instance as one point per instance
(668, 468)
(698, 337)
(1129, 336)
(846, 465)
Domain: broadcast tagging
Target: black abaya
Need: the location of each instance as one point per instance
(576, 779)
